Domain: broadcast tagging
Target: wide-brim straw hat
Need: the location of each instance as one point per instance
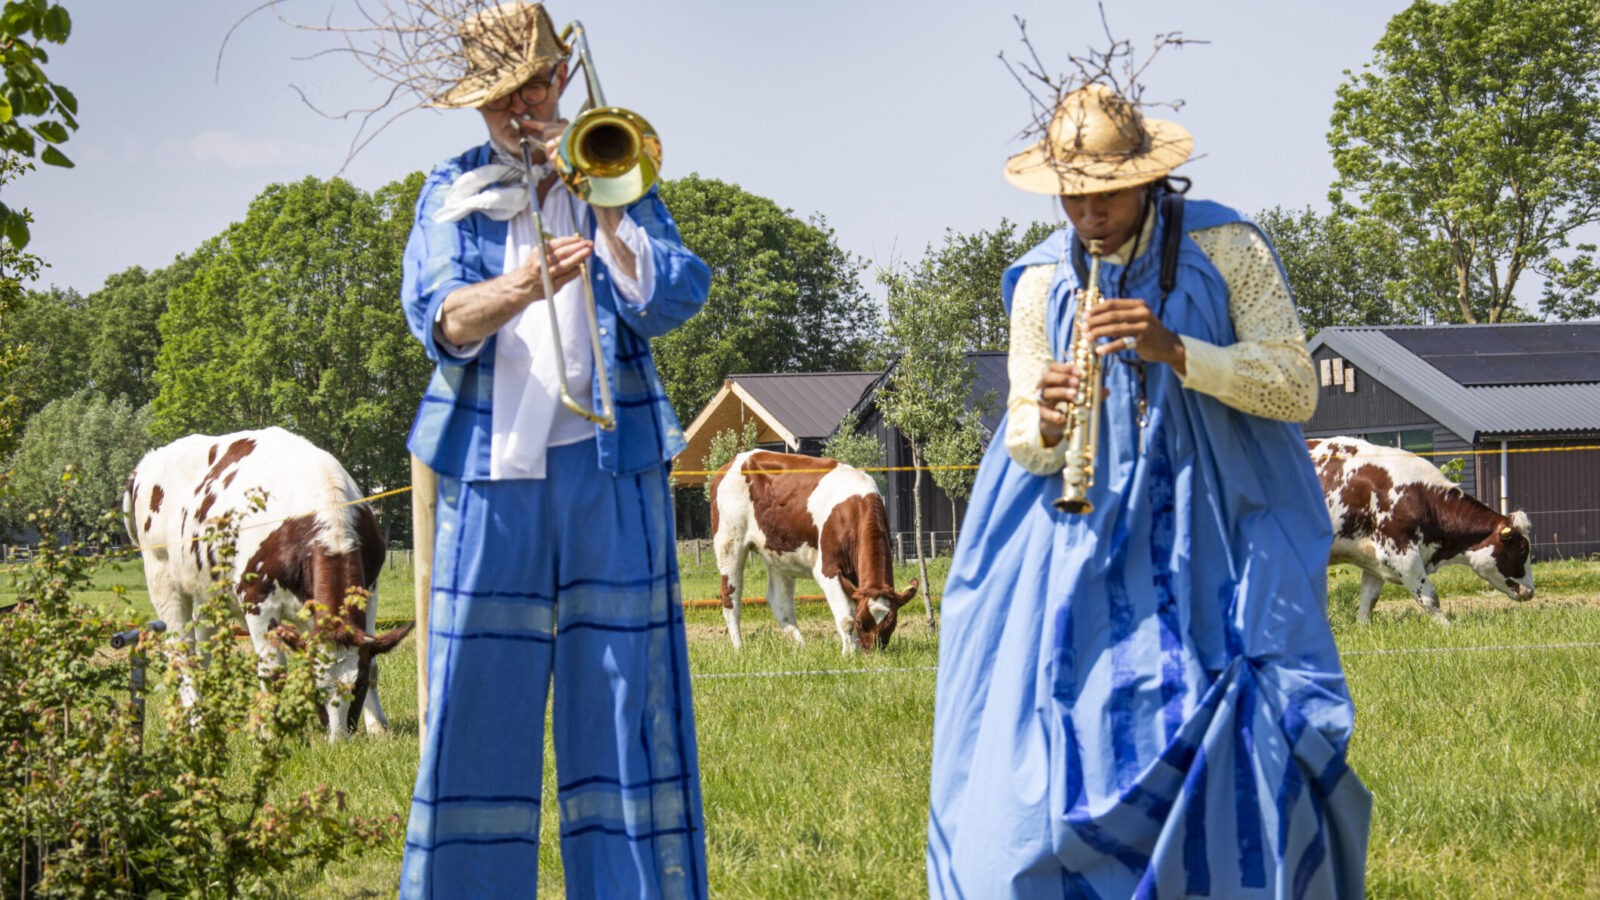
(1098, 141)
(502, 46)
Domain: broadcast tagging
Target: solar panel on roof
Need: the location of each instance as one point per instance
(1512, 355)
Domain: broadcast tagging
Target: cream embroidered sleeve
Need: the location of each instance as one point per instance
(1026, 362)
(1267, 372)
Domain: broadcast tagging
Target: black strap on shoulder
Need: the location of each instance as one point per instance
(1172, 238)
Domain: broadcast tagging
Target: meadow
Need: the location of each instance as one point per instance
(1480, 744)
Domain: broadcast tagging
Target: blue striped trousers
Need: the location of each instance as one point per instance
(570, 580)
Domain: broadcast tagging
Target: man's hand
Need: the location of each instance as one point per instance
(548, 138)
(546, 135)
(472, 313)
(623, 258)
(567, 255)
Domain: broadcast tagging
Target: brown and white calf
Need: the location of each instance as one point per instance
(1399, 519)
(310, 541)
(807, 515)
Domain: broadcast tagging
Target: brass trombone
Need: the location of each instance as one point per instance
(608, 156)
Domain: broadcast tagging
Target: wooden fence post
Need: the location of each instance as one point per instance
(424, 509)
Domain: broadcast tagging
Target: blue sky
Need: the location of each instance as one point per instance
(891, 118)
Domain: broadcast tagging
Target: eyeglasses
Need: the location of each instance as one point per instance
(531, 93)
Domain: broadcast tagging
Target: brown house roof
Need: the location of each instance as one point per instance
(788, 407)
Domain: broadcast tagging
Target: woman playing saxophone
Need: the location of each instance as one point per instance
(1152, 668)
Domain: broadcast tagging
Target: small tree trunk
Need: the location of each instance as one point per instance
(916, 520)
(1463, 281)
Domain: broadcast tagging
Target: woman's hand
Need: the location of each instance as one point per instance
(1058, 386)
(1122, 319)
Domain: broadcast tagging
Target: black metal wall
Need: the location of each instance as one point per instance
(1558, 487)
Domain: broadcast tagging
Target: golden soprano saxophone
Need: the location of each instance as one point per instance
(1083, 412)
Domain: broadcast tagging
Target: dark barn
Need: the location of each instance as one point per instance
(1519, 404)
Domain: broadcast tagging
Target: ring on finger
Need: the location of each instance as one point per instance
(1130, 342)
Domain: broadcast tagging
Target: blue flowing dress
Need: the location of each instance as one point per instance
(1146, 701)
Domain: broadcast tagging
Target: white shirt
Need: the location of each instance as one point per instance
(528, 416)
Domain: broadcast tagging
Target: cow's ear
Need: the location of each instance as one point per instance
(848, 585)
(905, 596)
(387, 641)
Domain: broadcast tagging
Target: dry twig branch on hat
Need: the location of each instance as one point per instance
(411, 46)
(1117, 67)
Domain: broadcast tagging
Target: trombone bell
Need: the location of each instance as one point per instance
(609, 156)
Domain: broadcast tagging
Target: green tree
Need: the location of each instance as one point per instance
(17, 267)
(36, 115)
(925, 395)
(105, 342)
(967, 269)
(725, 445)
(49, 330)
(853, 447)
(1475, 131)
(123, 330)
(102, 439)
(784, 296)
(1348, 271)
(953, 454)
(290, 318)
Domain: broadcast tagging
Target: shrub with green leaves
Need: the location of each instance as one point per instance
(853, 447)
(727, 444)
(1455, 469)
(195, 808)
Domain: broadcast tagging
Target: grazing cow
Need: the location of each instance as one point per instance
(807, 515)
(1398, 519)
(309, 541)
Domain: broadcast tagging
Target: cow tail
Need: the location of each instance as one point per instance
(128, 523)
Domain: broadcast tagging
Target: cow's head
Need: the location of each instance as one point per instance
(876, 611)
(1502, 558)
(349, 673)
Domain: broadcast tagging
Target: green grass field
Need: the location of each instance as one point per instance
(1480, 743)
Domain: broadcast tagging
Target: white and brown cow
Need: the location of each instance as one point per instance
(1399, 519)
(813, 516)
(309, 541)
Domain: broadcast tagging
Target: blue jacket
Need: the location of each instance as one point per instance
(452, 429)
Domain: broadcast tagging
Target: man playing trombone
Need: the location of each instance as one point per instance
(555, 559)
